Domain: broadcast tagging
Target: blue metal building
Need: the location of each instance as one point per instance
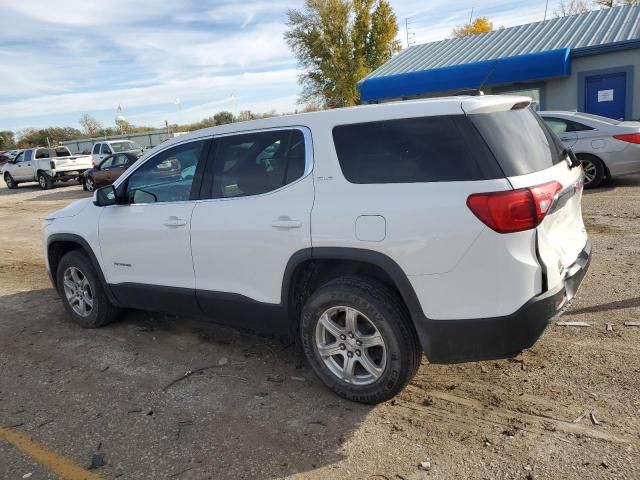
(588, 62)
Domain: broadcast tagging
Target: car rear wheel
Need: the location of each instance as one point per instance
(89, 184)
(45, 181)
(11, 183)
(593, 170)
(82, 293)
(358, 338)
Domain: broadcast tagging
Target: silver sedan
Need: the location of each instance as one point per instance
(605, 147)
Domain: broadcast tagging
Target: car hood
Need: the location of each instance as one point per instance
(71, 210)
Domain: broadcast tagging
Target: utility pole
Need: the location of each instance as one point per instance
(410, 34)
(471, 16)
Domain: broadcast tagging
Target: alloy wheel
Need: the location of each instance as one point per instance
(350, 346)
(590, 171)
(78, 291)
(90, 185)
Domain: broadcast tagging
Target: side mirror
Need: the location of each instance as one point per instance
(105, 196)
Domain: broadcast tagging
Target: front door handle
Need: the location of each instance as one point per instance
(286, 222)
(174, 221)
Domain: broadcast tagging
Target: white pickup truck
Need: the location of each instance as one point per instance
(46, 166)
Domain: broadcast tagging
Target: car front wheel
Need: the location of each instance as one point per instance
(358, 338)
(11, 183)
(82, 293)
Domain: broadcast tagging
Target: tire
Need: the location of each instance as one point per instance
(45, 181)
(11, 183)
(593, 170)
(77, 267)
(376, 305)
(89, 184)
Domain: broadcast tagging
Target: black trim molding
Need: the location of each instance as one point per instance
(84, 245)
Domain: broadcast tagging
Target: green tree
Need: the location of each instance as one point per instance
(477, 26)
(42, 137)
(222, 118)
(337, 43)
(7, 140)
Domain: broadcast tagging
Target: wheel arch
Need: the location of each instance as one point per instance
(59, 244)
(309, 269)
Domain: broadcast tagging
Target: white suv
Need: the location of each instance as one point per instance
(448, 226)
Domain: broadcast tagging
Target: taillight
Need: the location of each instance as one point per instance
(629, 137)
(514, 210)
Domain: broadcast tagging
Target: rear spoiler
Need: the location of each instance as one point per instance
(494, 103)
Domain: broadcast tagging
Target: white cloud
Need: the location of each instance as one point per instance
(94, 13)
(188, 90)
(86, 56)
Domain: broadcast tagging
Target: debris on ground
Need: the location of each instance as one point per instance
(426, 465)
(573, 324)
(631, 324)
(188, 373)
(610, 327)
(483, 369)
(27, 475)
(299, 379)
(97, 461)
(275, 379)
(223, 361)
(593, 418)
(579, 419)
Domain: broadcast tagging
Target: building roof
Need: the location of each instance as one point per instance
(583, 34)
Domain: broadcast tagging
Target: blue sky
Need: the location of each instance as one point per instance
(61, 59)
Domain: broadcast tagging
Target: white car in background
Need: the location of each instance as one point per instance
(605, 147)
(102, 150)
(45, 166)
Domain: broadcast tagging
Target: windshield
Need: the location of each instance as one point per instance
(600, 118)
(118, 147)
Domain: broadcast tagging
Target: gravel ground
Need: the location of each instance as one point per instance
(262, 413)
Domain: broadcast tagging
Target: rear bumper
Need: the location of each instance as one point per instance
(452, 341)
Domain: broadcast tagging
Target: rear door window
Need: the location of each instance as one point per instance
(105, 149)
(426, 149)
(255, 163)
(96, 148)
(28, 155)
(520, 140)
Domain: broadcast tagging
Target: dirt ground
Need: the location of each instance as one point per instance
(264, 415)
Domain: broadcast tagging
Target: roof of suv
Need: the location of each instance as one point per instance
(454, 105)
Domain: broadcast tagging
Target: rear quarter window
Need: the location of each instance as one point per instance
(425, 149)
(520, 140)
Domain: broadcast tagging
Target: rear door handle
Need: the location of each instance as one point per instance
(286, 222)
(175, 222)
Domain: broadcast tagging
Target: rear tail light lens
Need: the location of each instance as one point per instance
(514, 210)
(629, 137)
